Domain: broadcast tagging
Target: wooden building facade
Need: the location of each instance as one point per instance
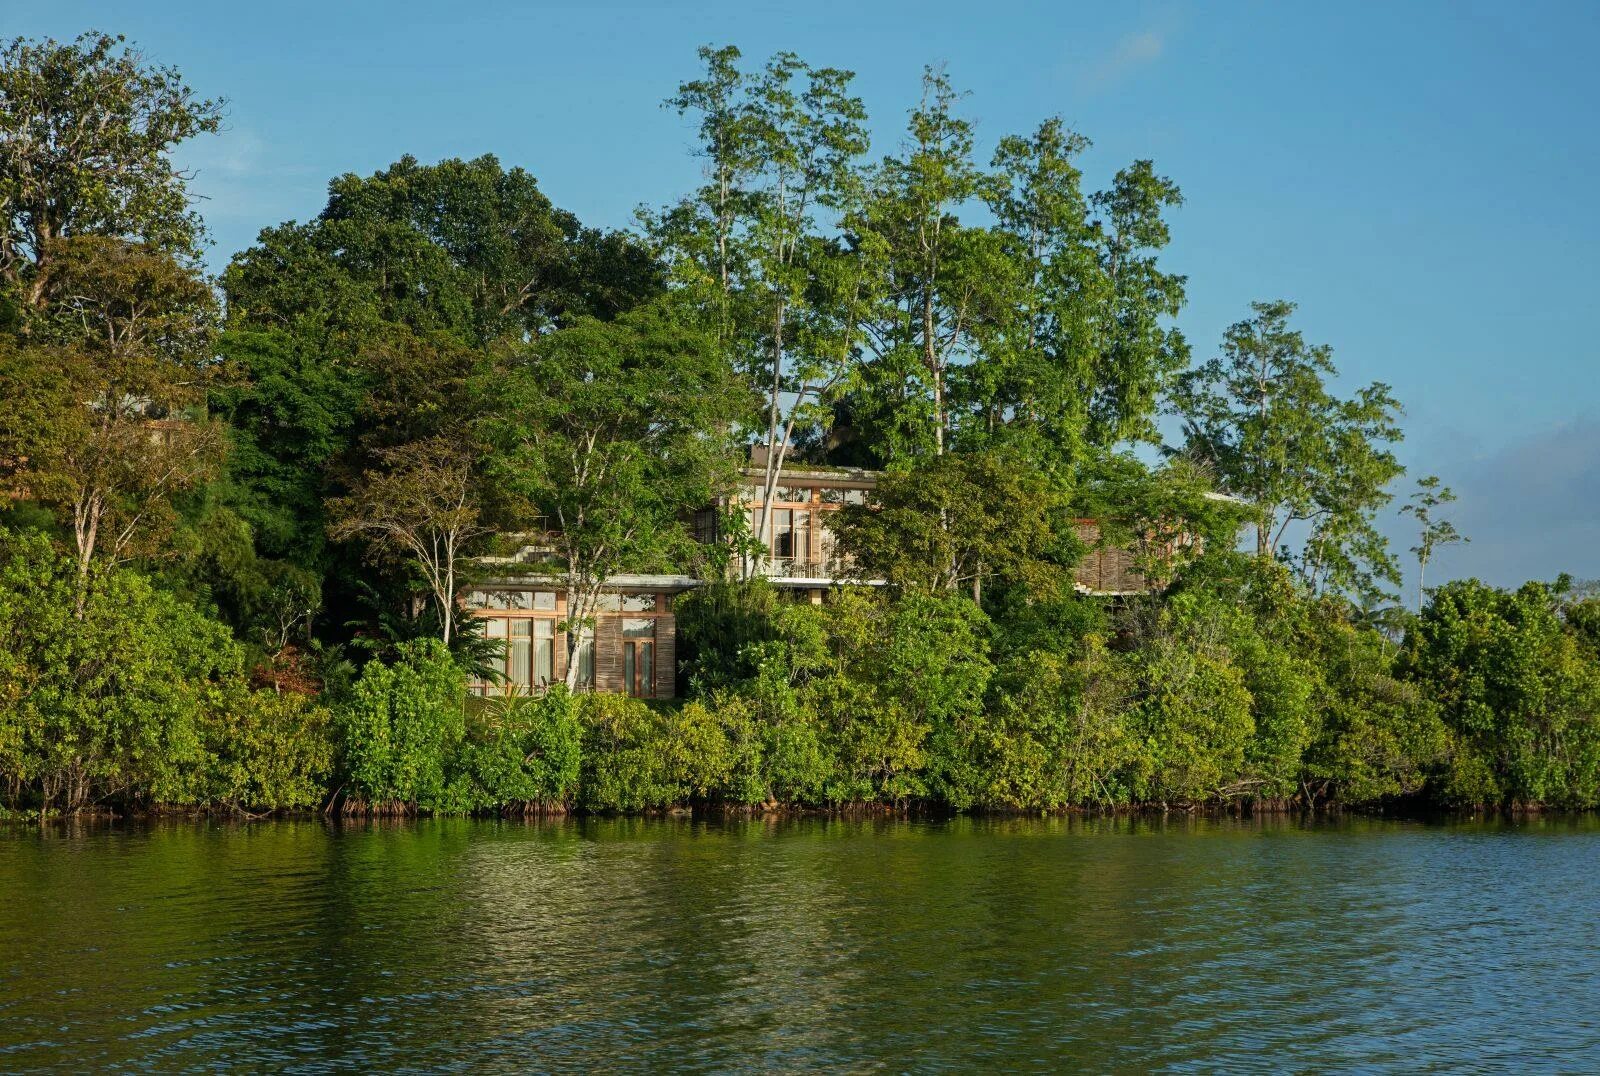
(632, 648)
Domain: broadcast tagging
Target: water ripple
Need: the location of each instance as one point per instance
(822, 944)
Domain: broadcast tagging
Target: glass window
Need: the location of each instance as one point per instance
(544, 651)
(608, 603)
(544, 601)
(783, 532)
(844, 496)
(518, 600)
(519, 671)
(802, 534)
(638, 603)
(639, 629)
(796, 494)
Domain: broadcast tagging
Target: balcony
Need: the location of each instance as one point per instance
(793, 568)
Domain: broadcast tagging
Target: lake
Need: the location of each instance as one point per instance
(1108, 945)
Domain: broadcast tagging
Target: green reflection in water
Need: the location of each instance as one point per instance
(1110, 944)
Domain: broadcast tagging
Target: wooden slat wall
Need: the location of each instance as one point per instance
(608, 654)
(666, 656)
(1106, 570)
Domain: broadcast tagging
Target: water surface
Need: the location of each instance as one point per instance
(1112, 945)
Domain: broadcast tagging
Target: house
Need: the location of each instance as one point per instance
(631, 648)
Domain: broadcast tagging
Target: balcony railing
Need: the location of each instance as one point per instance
(791, 568)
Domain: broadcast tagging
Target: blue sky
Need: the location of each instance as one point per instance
(1419, 176)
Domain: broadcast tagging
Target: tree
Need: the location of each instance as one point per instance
(420, 502)
(952, 523)
(1079, 359)
(944, 280)
(87, 129)
(785, 298)
(1262, 417)
(107, 427)
(1430, 495)
(467, 249)
(605, 437)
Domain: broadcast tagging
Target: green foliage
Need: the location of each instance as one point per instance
(1262, 416)
(624, 766)
(266, 751)
(522, 751)
(138, 701)
(1193, 722)
(1516, 689)
(955, 522)
(605, 438)
(86, 140)
(1057, 733)
(721, 627)
(401, 727)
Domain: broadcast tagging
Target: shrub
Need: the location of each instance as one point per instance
(400, 728)
(1518, 691)
(266, 751)
(1057, 733)
(624, 765)
(522, 752)
(106, 707)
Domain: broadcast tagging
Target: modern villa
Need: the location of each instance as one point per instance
(631, 648)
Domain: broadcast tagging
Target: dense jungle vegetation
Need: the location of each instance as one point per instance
(223, 496)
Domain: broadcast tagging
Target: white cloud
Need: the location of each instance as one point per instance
(1132, 52)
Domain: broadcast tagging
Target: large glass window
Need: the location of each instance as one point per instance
(519, 671)
(544, 652)
(802, 535)
(783, 533)
(526, 653)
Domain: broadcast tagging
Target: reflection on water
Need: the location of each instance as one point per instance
(1109, 945)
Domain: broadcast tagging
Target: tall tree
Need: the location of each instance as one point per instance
(607, 435)
(1433, 533)
(786, 296)
(357, 331)
(467, 248)
(1262, 416)
(87, 130)
(945, 281)
(1080, 357)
